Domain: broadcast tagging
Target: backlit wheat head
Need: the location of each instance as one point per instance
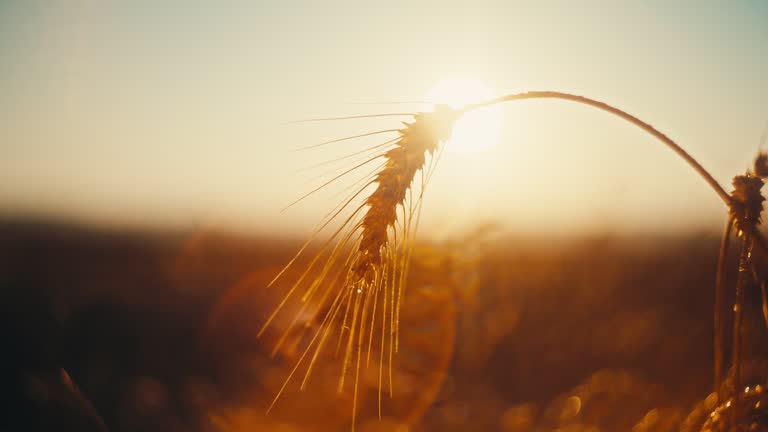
(354, 284)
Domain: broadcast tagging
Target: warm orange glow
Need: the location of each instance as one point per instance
(476, 131)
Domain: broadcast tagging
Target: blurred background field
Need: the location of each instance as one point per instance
(156, 332)
(129, 128)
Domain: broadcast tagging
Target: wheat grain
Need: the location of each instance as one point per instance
(361, 279)
(416, 140)
(375, 239)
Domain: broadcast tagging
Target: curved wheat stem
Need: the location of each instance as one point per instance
(744, 215)
(620, 113)
(376, 260)
(719, 298)
(738, 316)
(756, 235)
(746, 209)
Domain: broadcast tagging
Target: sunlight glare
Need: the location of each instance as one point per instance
(476, 131)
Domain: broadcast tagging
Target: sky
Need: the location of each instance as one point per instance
(179, 114)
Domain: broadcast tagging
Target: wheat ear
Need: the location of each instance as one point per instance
(372, 247)
(393, 182)
(376, 265)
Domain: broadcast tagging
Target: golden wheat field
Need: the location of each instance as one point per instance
(383, 216)
(498, 333)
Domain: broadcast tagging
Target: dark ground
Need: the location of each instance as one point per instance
(147, 331)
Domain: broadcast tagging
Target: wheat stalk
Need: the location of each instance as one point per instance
(744, 215)
(376, 241)
(719, 190)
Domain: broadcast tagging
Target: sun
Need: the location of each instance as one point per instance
(476, 131)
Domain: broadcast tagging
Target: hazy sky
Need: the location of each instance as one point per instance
(175, 112)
